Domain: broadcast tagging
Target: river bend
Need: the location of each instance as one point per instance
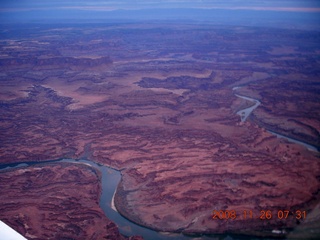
(244, 114)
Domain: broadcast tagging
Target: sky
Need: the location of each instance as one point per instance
(103, 5)
(289, 12)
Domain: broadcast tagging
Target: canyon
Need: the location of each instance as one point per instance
(156, 102)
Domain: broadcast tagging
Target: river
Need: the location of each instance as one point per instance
(244, 114)
(110, 180)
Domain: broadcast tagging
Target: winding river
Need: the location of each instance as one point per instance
(244, 114)
(110, 180)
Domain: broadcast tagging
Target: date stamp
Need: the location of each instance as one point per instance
(263, 214)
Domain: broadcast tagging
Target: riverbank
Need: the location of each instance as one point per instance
(245, 113)
(38, 197)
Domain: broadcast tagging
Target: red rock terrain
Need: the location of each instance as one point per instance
(55, 201)
(163, 111)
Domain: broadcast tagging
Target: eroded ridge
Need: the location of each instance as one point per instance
(164, 113)
(56, 201)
